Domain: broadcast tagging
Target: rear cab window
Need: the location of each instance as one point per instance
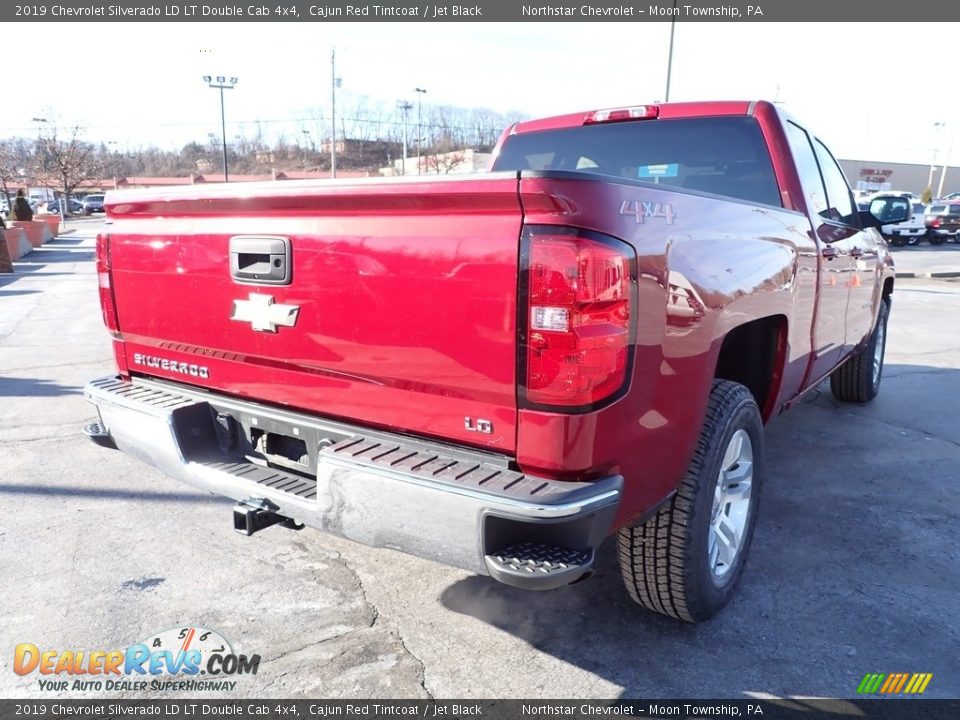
(719, 155)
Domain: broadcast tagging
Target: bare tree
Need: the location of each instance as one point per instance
(15, 158)
(65, 158)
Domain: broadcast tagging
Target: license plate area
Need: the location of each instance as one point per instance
(272, 442)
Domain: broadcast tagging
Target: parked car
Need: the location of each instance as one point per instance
(955, 196)
(74, 206)
(909, 232)
(499, 371)
(942, 221)
(92, 204)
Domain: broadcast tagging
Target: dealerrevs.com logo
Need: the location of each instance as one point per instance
(187, 658)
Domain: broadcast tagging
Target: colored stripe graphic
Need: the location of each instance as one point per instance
(894, 683)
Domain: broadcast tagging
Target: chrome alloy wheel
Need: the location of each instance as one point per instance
(731, 504)
(878, 351)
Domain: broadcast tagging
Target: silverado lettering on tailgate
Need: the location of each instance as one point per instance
(152, 361)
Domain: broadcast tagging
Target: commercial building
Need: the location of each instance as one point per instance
(873, 175)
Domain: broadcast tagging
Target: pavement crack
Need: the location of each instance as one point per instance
(363, 591)
(300, 649)
(421, 667)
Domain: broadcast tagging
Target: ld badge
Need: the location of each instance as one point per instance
(263, 313)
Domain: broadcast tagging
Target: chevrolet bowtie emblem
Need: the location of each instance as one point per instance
(263, 313)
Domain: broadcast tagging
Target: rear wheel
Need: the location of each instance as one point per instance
(898, 240)
(686, 560)
(936, 239)
(858, 379)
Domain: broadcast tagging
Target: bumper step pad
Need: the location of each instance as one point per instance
(537, 566)
(98, 433)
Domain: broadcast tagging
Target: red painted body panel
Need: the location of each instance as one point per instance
(720, 264)
(409, 299)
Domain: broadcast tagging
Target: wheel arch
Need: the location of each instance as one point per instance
(754, 354)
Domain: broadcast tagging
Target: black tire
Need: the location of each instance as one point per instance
(855, 380)
(898, 240)
(665, 561)
(936, 239)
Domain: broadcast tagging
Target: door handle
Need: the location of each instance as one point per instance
(259, 260)
(829, 252)
(856, 252)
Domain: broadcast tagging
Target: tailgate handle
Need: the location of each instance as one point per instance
(259, 260)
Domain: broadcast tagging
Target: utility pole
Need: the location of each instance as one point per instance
(420, 93)
(306, 138)
(333, 113)
(404, 108)
(673, 25)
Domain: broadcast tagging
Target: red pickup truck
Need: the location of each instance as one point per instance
(498, 371)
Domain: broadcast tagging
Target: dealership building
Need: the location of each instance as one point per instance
(872, 175)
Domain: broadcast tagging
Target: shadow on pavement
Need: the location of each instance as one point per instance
(853, 564)
(35, 387)
(6, 293)
(49, 254)
(107, 494)
(66, 241)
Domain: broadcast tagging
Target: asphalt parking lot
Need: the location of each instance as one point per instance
(855, 565)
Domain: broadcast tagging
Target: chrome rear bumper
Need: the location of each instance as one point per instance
(459, 507)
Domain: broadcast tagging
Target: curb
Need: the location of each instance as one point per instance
(928, 275)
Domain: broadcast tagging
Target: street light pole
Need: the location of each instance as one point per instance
(404, 107)
(335, 82)
(673, 26)
(420, 93)
(943, 168)
(222, 83)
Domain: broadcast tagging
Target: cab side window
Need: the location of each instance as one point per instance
(840, 207)
(807, 168)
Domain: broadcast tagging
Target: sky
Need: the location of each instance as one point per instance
(140, 84)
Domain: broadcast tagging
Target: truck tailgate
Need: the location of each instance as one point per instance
(400, 310)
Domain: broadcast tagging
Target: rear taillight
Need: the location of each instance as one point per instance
(104, 278)
(933, 222)
(577, 334)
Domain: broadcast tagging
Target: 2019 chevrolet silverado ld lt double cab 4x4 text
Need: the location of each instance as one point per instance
(499, 371)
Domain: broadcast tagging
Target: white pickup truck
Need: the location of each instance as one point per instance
(909, 232)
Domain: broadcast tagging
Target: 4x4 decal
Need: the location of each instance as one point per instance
(641, 209)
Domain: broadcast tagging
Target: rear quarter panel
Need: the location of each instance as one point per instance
(717, 265)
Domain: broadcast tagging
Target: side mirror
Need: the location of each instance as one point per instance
(886, 210)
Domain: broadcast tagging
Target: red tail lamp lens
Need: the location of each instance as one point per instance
(107, 305)
(580, 315)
